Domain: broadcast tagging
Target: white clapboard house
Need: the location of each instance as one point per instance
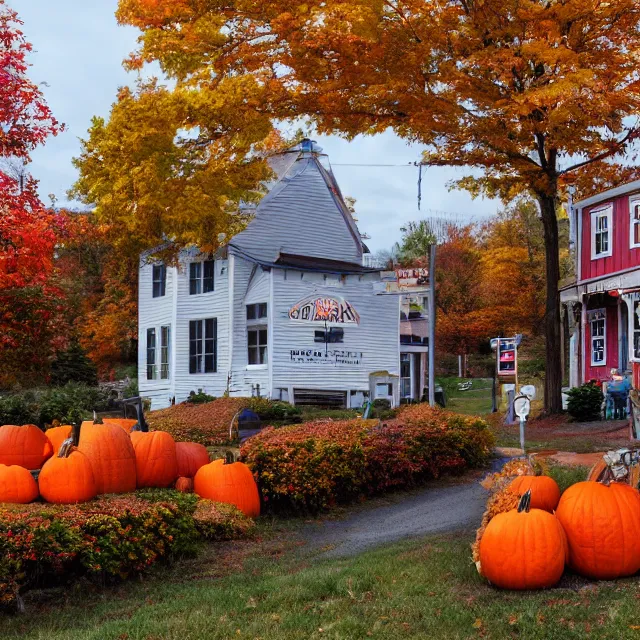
(286, 311)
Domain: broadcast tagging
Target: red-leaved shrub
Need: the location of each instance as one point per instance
(312, 466)
(109, 538)
(206, 424)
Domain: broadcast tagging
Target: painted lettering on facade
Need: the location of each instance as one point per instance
(336, 357)
(333, 310)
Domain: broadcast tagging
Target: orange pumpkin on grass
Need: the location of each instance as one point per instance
(545, 493)
(602, 524)
(25, 446)
(184, 485)
(156, 462)
(57, 435)
(523, 548)
(111, 455)
(67, 478)
(191, 456)
(17, 485)
(231, 483)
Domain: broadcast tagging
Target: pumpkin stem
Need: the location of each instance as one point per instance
(229, 458)
(66, 448)
(97, 419)
(75, 433)
(525, 502)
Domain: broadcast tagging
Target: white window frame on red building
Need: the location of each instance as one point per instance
(634, 222)
(605, 212)
(593, 316)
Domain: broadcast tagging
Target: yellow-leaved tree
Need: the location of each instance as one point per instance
(532, 93)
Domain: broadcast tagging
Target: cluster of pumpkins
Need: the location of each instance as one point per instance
(77, 465)
(593, 528)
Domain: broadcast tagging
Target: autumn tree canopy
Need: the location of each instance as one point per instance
(533, 93)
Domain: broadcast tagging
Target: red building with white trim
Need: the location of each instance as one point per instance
(602, 307)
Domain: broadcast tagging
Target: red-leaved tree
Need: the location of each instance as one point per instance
(28, 231)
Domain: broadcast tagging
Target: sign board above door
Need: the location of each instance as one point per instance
(403, 281)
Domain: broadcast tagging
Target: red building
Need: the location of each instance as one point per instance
(602, 307)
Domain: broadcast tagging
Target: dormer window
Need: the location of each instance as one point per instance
(601, 233)
(634, 223)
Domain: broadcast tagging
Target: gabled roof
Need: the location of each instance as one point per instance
(304, 214)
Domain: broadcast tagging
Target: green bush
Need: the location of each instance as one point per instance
(19, 409)
(110, 538)
(312, 466)
(585, 402)
(73, 365)
(74, 401)
(131, 390)
(274, 410)
(199, 398)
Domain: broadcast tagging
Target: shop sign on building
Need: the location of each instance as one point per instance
(332, 310)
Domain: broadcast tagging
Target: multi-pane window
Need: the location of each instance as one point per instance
(153, 347)
(201, 277)
(152, 368)
(257, 334)
(601, 233)
(598, 327)
(203, 345)
(634, 230)
(159, 277)
(636, 329)
(165, 336)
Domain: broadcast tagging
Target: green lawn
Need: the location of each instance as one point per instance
(474, 401)
(420, 589)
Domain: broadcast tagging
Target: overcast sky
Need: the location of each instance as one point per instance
(78, 53)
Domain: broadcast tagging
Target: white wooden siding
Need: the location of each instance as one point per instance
(154, 313)
(376, 336)
(250, 286)
(214, 304)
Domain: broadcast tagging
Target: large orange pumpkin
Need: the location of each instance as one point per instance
(545, 493)
(111, 455)
(25, 446)
(67, 478)
(523, 549)
(191, 456)
(17, 485)
(602, 524)
(230, 483)
(156, 462)
(57, 435)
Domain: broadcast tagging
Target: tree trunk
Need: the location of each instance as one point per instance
(553, 367)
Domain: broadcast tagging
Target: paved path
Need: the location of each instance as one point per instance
(434, 509)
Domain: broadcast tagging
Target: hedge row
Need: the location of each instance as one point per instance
(109, 538)
(208, 423)
(312, 466)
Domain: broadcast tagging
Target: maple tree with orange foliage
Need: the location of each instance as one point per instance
(534, 94)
